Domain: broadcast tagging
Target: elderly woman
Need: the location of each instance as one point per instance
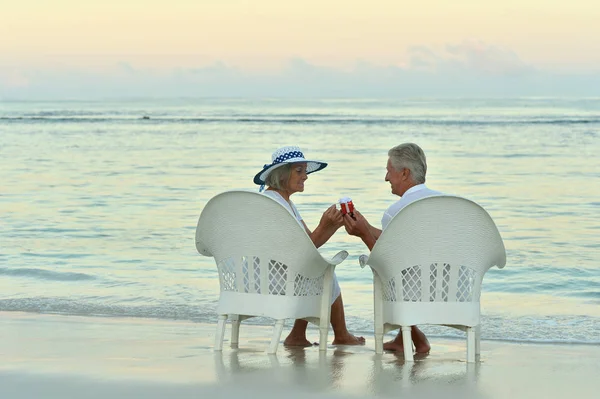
(285, 176)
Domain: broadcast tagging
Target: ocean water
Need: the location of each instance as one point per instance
(98, 205)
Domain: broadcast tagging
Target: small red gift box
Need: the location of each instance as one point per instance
(346, 205)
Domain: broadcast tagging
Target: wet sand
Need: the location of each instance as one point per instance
(53, 356)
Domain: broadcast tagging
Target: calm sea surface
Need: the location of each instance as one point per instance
(98, 206)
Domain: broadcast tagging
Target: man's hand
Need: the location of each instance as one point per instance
(359, 227)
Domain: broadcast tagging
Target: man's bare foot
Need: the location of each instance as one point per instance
(420, 340)
(348, 339)
(297, 341)
(396, 345)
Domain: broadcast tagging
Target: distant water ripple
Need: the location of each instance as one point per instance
(44, 274)
(300, 119)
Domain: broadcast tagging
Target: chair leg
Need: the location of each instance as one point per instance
(407, 342)
(378, 312)
(471, 344)
(276, 336)
(478, 340)
(323, 331)
(235, 330)
(220, 335)
(379, 340)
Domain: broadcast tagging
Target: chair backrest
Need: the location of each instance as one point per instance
(437, 249)
(259, 247)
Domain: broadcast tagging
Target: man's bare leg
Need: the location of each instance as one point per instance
(297, 337)
(338, 322)
(419, 339)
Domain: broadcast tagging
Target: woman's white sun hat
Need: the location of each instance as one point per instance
(285, 155)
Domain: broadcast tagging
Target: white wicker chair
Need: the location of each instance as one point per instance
(267, 264)
(428, 266)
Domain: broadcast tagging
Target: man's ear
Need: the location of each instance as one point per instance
(405, 173)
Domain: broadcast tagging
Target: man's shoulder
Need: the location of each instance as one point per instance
(422, 192)
(427, 192)
(411, 197)
(406, 199)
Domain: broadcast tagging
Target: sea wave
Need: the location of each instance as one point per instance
(301, 119)
(558, 329)
(43, 274)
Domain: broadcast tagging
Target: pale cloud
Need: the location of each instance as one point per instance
(468, 68)
(422, 58)
(487, 58)
(469, 55)
(125, 68)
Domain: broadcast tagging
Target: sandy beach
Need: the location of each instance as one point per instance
(53, 356)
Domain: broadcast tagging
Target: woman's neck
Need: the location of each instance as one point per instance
(283, 193)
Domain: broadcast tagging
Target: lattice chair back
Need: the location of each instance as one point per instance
(267, 264)
(429, 263)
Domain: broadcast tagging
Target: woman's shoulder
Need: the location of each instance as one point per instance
(276, 196)
(270, 193)
(289, 205)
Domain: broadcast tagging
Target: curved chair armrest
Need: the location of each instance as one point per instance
(338, 258)
(363, 259)
(202, 249)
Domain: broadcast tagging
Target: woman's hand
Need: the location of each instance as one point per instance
(332, 219)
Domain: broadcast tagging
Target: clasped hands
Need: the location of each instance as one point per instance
(355, 225)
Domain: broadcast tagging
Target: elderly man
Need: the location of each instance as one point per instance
(406, 169)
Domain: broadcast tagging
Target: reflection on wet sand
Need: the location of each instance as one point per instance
(348, 369)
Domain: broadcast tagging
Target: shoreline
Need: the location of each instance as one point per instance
(46, 355)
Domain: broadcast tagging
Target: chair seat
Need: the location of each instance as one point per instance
(275, 306)
(413, 313)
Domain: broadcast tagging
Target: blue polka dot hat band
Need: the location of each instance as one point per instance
(285, 155)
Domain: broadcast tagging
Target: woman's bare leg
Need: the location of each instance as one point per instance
(338, 322)
(297, 337)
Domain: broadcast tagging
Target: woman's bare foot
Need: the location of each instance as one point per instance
(348, 339)
(297, 337)
(394, 345)
(297, 341)
(422, 347)
(289, 341)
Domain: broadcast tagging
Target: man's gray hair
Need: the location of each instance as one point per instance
(279, 177)
(412, 157)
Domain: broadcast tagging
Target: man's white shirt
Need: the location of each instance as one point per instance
(412, 194)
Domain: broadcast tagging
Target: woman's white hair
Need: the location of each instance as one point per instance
(279, 177)
(412, 157)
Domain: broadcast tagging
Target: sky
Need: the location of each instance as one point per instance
(110, 48)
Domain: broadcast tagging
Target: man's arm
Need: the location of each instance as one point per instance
(375, 232)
